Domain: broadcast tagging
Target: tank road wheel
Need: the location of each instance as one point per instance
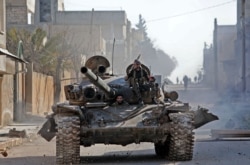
(68, 139)
(181, 137)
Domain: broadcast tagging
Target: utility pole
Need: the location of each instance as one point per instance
(90, 48)
(243, 46)
(113, 50)
(18, 111)
(215, 55)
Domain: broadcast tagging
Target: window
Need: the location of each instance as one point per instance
(45, 11)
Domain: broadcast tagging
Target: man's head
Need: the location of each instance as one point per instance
(137, 64)
(152, 79)
(119, 99)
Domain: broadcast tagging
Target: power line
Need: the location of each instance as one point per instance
(99, 7)
(190, 12)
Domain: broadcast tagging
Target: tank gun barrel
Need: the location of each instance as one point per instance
(101, 69)
(97, 81)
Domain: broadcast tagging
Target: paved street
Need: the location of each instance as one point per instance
(40, 152)
(206, 151)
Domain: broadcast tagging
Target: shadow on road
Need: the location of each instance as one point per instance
(124, 157)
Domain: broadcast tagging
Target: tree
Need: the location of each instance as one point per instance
(49, 56)
(33, 42)
(162, 63)
(141, 25)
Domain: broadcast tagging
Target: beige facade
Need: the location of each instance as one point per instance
(247, 44)
(40, 95)
(230, 52)
(92, 32)
(105, 33)
(2, 24)
(220, 59)
(226, 37)
(80, 37)
(208, 65)
(12, 88)
(40, 92)
(6, 98)
(99, 29)
(12, 95)
(17, 11)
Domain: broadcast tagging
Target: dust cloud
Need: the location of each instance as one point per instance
(232, 109)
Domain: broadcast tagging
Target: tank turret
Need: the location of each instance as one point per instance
(98, 82)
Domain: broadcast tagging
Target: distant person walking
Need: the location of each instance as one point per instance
(185, 81)
(177, 80)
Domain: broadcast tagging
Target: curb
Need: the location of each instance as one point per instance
(7, 143)
(11, 143)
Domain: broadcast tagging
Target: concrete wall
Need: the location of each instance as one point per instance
(243, 18)
(92, 32)
(87, 39)
(7, 64)
(12, 95)
(97, 30)
(16, 12)
(2, 24)
(208, 66)
(103, 25)
(34, 93)
(39, 92)
(42, 93)
(247, 45)
(88, 17)
(226, 37)
(6, 98)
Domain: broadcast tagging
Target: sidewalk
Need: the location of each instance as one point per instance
(31, 126)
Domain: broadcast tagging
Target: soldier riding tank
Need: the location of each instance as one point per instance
(89, 117)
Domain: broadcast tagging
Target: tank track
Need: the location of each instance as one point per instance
(67, 139)
(179, 144)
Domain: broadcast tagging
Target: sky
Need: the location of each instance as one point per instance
(179, 27)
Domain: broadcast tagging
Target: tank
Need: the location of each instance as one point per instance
(89, 116)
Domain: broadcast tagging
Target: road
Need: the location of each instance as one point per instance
(40, 152)
(206, 152)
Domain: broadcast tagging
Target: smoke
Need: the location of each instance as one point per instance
(231, 108)
(160, 63)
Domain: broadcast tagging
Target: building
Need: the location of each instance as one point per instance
(12, 69)
(231, 71)
(243, 43)
(225, 58)
(98, 32)
(220, 69)
(106, 33)
(208, 65)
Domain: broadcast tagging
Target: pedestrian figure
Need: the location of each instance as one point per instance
(185, 81)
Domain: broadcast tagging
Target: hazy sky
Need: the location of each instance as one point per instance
(179, 27)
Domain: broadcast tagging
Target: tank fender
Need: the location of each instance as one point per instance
(48, 130)
(202, 117)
